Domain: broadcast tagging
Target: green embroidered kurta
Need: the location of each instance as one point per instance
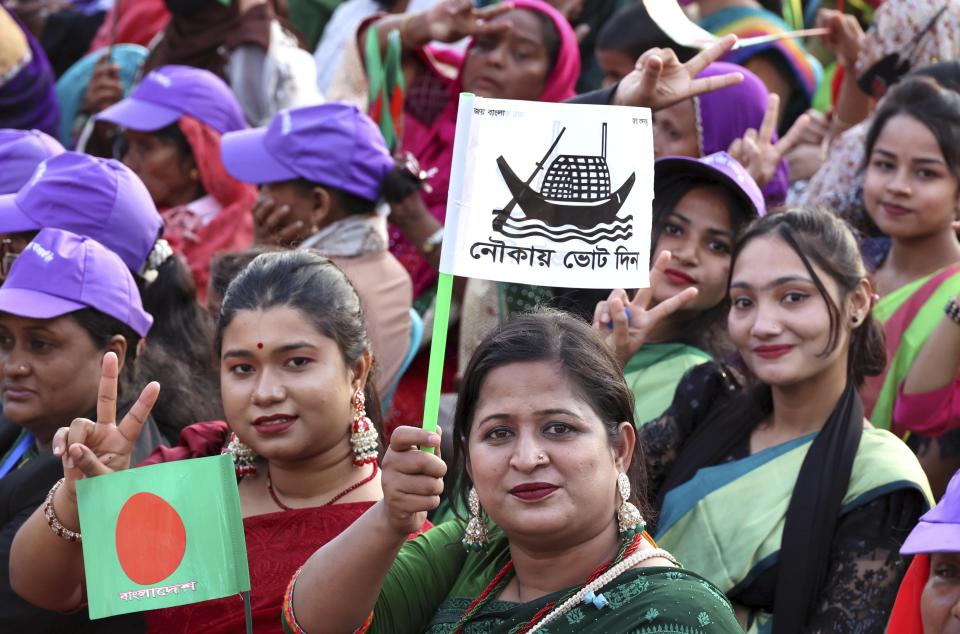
(433, 580)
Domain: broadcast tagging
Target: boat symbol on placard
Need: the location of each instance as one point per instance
(574, 202)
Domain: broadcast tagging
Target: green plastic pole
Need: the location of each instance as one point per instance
(438, 348)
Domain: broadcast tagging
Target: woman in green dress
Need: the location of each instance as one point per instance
(546, 458)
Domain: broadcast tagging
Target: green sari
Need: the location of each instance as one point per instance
(434, 579)
(909, 316)
(654, 372)
(733, 549)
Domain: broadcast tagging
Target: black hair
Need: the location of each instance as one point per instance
(632, 32)
(102, 328)
(227, 265)
(934, 106)
(551, 39)
(556, 336)
(396, 185)
(821, 239)
(180, 351)
(708, 330)
(313, 285)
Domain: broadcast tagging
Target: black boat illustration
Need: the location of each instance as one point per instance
(575, 191)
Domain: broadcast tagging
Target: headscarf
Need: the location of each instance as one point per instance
(231, 229)
(201, 33)
(724, 115)
(137, 22)
(27, 100)
(898, 27)
(432, 143)
(838, 184)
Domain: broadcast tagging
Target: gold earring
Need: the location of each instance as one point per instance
(244, 458)
(363, 435)
(629, 520)
(476, 536)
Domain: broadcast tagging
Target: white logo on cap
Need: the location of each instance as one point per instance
(163, 80)
(286, 124)
(45, 254)
(38, 173)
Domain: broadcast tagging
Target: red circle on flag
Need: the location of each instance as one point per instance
(151, 538)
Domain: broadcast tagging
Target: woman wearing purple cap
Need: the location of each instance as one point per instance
(322, 170)
(104, 200)
(775, 486)
(67, 304)
(929, 597)
(173, 122)
(294, 361)
(739, 119)
(700, 206)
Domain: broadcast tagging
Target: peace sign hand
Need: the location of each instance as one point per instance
(90, 448)
(626, 324)
(659, 79)
(452, 20)
(757, 152)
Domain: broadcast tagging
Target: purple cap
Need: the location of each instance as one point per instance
(331, 144)
(719, 167)
(170, 92)
(20, 153)
(94, 197)
(60, 272)
(938, 530)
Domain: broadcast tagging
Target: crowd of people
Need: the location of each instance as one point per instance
(220, 232)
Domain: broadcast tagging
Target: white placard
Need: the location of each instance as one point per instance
(550, 194)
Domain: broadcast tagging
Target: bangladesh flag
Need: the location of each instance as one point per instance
(161, 536)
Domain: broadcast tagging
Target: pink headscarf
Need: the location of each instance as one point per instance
(433, 144)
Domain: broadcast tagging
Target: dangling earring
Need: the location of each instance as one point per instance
(476, 536)
(244, 459)
(628, 516)
(363, 435)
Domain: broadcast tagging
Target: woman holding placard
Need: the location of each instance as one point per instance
(545, 450)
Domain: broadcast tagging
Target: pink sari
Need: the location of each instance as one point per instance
(432, 142)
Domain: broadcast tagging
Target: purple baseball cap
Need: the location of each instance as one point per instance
(331, 144)
(20, 153)
(938, 530)
(718, 167)
(99, 198)
(60, 272)
(170, 92)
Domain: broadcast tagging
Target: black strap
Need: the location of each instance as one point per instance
(813, 514)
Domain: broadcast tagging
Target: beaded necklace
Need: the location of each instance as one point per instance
(331, 501)
(626, 554)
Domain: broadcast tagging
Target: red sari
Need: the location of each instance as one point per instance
(277, 545)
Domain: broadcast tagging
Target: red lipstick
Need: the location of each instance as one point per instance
(274, 424)
(772, 352)
(533, 491)
(679, 278)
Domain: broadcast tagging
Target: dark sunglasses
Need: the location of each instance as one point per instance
(890, 69)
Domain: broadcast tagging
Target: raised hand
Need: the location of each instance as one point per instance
(273, 225)
(757, 152)
(845, 39)
(90, 448)
(625, 332)
(412, 479)
(104, 88)
(452, 20)
(660, 80)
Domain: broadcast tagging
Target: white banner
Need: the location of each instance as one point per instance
(550, 194)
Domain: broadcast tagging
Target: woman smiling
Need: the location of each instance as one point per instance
(546, 459)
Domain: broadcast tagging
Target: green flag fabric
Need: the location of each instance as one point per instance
(161, 536)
